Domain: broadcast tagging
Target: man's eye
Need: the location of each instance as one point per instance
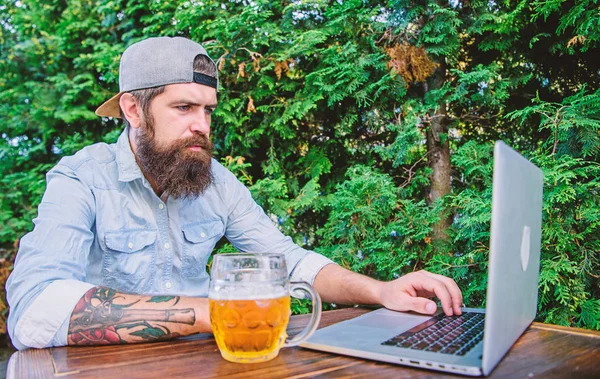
(183, 108)
(209, 110)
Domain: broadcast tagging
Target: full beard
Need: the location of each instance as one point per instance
(175, 169)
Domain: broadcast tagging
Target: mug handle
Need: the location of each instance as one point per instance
(316, 313)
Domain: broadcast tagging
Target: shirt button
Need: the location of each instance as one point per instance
(202, 235)
(168, 284)
(166, 245)
(161, 206)
(130, 245)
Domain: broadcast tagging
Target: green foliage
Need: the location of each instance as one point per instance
(578, 22)
(371, 229)
(574, 124)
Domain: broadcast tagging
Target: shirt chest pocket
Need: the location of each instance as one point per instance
(129, 260)
(199, 241)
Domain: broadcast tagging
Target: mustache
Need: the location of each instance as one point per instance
(196, 140)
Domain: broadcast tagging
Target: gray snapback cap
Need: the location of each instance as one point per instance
(156, 62)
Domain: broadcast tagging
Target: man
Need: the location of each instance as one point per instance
(119, 249)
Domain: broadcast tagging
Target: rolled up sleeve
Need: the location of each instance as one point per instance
(307, 269)
(41, 322)
(50, 268)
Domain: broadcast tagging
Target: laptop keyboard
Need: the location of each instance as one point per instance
(448, 335)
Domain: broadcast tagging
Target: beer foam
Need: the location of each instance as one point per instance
(253, 292)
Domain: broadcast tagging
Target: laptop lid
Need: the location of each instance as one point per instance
(514, 252)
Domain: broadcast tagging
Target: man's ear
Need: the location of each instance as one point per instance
(131, 109)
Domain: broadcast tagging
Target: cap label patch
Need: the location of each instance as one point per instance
(207, 80)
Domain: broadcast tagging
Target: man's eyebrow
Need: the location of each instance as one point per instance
(192, 103)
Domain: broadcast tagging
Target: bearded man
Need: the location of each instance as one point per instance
(130, 226)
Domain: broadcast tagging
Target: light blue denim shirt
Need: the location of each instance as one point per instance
(101, 224)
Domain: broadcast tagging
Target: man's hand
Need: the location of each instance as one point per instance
(412, 291)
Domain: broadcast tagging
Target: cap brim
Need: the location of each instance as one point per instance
(111, 107)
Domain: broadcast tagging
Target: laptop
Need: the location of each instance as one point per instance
(474, 343)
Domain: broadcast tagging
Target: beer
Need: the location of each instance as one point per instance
(250, 330)
(249, 302)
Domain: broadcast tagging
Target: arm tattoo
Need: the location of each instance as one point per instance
(162, 299)
(98, 319)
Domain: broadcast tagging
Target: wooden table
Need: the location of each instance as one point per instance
(544, 351)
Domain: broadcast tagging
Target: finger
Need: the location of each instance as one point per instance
(422, 305)
(434, 285)
(455, 292)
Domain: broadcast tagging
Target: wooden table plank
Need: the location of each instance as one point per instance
(33, 363)
(546, 351)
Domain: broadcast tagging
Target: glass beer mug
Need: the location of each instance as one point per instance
(249, 300)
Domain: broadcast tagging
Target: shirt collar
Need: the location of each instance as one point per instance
(128, 166)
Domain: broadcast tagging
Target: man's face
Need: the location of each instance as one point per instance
(173, 145)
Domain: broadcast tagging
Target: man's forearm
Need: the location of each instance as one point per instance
(335, 284)
(104, 316)
(410, 292)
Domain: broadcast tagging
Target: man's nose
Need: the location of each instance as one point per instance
(201, 124)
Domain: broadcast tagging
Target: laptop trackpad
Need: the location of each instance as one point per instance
(386, 319)
(369, 329)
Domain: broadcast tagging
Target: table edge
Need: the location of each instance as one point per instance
(566, 329)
